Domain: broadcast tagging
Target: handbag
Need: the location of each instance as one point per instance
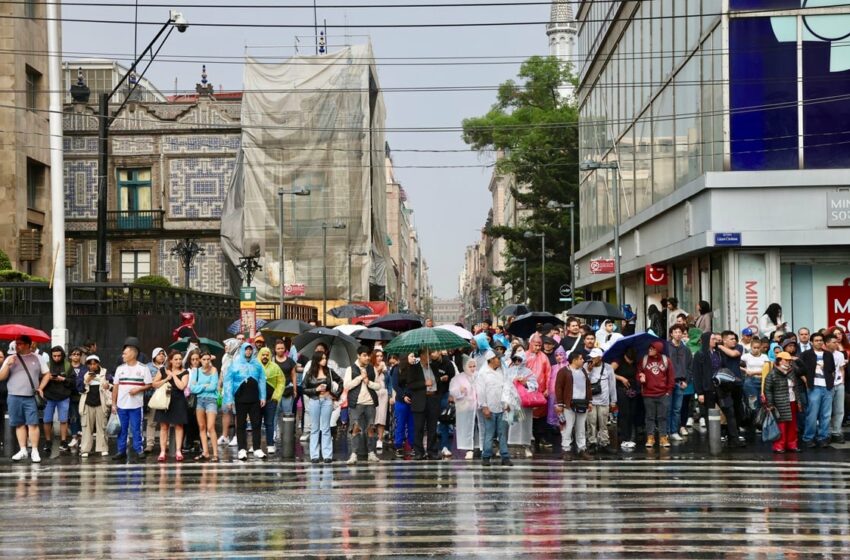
(596, 387)
(579, 406)
(447, 415)
(529, 399)
(161, 398)
(191, 398)
(769, 429)
(40, 403)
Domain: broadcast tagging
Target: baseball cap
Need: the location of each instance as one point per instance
(92, 358)
(489, 355)
(596, 353)
(747, 332)
(784, 356)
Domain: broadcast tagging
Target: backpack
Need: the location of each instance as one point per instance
(645, 360)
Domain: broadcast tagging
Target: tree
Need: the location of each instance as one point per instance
(536, 130)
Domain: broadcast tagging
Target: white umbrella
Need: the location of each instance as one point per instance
(460, 331)
(349, 329)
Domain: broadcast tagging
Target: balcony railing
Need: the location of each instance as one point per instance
(134, 220)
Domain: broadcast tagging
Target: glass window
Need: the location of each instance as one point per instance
(719, 106)
(693, 25)
(707, 98)
(663, 178)
(603, 216)
(679, 27)
(643, 163)
(35, 182)
(654, 46)
(647, 72)
(134, 265)
(687, 148)
(33, 85)
(134, 190)
(667, 24)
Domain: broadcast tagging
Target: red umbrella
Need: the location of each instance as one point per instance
(13, 331)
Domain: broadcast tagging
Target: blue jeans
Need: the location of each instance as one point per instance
(818, 414)
(676, 399)
(320, 426)
(494, 426)
(752, 389)
(131, 422)
(444, 430)
(269, 417)
(403, 424)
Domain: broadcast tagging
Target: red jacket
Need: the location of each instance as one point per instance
(659, 376)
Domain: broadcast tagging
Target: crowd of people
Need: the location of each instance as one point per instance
(572, 389)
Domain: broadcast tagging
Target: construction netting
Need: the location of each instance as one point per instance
(315, 123)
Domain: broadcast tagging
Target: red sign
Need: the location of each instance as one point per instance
(602, 266)
(295, 290)
(379, 309)
(656, 275)
(838, 305)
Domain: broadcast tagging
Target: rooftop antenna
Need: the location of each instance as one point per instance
(316, 26)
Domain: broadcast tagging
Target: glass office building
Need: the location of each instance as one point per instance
(723, 117)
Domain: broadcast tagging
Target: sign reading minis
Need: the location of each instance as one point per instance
(838, 209)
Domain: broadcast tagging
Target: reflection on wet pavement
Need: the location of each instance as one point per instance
(605, 509)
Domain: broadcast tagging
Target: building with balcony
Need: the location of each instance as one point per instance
(727, 129)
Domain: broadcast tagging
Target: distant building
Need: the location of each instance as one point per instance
(562, 32)
(447, 311)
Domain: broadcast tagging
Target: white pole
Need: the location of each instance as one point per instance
(59, 334)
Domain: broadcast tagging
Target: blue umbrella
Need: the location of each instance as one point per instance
(236, 326)
(640, 342)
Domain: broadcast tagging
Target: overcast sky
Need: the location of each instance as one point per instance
(450, 204)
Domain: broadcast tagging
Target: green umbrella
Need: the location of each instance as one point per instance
(212, 345)
(425, 337)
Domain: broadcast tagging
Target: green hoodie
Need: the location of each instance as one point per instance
(274, 376)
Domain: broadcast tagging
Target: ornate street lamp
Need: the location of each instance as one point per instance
(187, 250)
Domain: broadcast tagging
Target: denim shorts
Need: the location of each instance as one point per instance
(22, 411)
(207, 404)
(62, 407)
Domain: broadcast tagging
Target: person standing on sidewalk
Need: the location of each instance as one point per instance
(361, 383)
(782, 395)
(158, 358)
(275, 385)
(819, 370)
(77, 369)
(840, 345)
(131, 381)
(56, 388)
(402, 415)
(489, 388)
(23, 370)
(628, 398)
(603, 389)
(573, 396)
(682, 360)
(444, 371)
(656, 378)
(94, 406)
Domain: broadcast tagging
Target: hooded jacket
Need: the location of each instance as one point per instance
(703, 369)
(274, 375)
(682, 360)
(240, 370)
(60, 390)
(776, 392)
(658, 372)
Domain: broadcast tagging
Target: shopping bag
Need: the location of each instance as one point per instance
(113, 427)
(769, 429)
(161, 398)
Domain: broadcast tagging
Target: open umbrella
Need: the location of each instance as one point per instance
(460, 331)
(283, 328)
(639, 341)
(596, 310)
(13, 331)
(211, 344)
(342, 348)
(514, 310)
(350, 311)
(398, 322)
(349, 329)
(236, 326)
(425, 337)
(526, 325)
(375, 333)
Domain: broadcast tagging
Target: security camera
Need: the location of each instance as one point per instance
(179, 21)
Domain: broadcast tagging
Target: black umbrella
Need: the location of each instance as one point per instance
(285, 327)
(375, 333)
(596, 310)
(341, 347)
(398, 322)
(350, 311)
(526, 325)
(514, 310)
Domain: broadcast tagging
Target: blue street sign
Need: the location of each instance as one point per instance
(727, 239)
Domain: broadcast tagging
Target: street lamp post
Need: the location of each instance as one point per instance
(280, 195)
(350, 254)
(325, 227)
(105, 120)
(554, 205)
(613, 165)
(186, 250)
(542, 236)
(249, 265)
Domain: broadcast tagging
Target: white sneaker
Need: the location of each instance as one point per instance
(84, 455)
(222, 440)
(233, 442)
(676, 437)
(702, 422)
(625, 445)
(690, 423)
(373, 458)
(74, 443)
(445, 452)
(528, 453)
(258, 454)
(242, 455)
(104, 453)
(20, 455)
(468, 456)
(352, 460)
(379, 445)
(34, 456)
(305, 437)
(683, 432)
(270, 450)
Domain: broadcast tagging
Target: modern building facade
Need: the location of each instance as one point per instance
(727, 127)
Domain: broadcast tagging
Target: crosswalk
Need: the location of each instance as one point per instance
(643, 508)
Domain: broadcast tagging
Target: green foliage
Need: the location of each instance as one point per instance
(153, 280)
(41, 279)
(5, 263)
(8, 275)
(537, 131)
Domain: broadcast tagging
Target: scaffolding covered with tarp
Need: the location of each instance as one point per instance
(316, 123)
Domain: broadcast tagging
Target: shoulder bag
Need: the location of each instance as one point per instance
(39, 400)
(529, 399)
(579, 406)
(161, 398)
(192, 398)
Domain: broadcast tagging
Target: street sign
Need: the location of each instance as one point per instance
(566, 291)
(602, 266)
(565, 299)
(656, 275)
(247, 298)
(295, 290)
(727, 239)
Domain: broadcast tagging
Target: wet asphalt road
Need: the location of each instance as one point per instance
(663, 504)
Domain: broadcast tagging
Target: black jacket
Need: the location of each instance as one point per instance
(809, 361)
(411, 382)
(441, 368)
(61, 390)
(309, 385)
(702, 368)
(354, 393)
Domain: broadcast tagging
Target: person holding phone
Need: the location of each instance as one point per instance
(321, 386)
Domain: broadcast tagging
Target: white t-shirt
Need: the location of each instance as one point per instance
(131, 377)
(791, 396)
(840, 363)
(754, 364)
(820, 380)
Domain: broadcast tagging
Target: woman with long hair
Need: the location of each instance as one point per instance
(321, 386)
(177, 413)
(703, 321)
(841, 355)
(772, 320)
(377, 361)
(203, 382)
